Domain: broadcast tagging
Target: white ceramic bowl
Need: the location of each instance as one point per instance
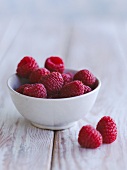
(52, 114)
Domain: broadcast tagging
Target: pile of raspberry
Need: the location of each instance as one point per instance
(52, 80)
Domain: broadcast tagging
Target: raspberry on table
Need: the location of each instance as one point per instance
(26, 66)
(36, 75)
(108, 129)
(67, 77)
(86, 77)
(36, 90)
(54, 64)
(74, 88)
(21, 88)
(89, 137)
(53, 82)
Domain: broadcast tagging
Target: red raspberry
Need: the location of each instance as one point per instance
(37, 74)
(86, 77)
(67, 77)
(74, 88)
(89, 137)
(21, 88)
(35, 90)
(107, 127)
(53, 82)
(26, 66)
(55, 64)
(87, 89)
(95, 84)
(53, 96)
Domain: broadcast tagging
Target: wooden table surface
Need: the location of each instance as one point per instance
(96, 45)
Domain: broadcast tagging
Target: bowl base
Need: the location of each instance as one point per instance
(62, 127)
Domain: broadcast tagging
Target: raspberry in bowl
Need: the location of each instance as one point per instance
(51, 103)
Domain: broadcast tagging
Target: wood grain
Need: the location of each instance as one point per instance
(97, 46)
(23, 146)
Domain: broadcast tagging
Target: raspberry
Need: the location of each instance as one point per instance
(87, 89)
(89, 137)
(86, 77)
(74, 88)
(21, 88)
(26, 66)
(54, 64)
(35, 90)
(53, 96)
(67, 78)
(53, 82)
(37, 74)
(107, 127)
(95, 84)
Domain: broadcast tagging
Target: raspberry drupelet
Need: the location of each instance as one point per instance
(108, 129)
(89, 137)
(26, 66)
(86, 77)
(37, 74)
(54, 64)
(74, 88)
(53, 82)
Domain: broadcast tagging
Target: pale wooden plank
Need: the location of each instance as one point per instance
(22, 145)
(94, 46)
(4, 25)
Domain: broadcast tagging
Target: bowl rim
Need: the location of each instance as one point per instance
(49, 99)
